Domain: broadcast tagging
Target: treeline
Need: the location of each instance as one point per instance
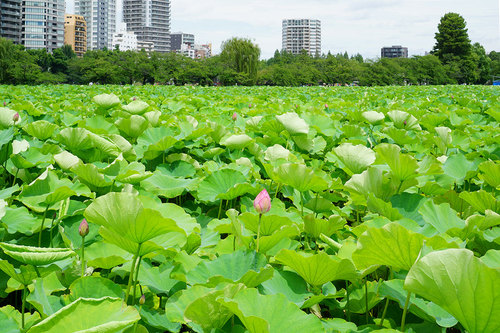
(19, 66)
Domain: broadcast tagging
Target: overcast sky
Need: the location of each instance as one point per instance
(355, 26)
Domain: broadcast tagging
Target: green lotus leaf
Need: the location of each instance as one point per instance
(462, 285)
(237, 191)
(37, 256)
(492, 258)
(267, 243)
(100, 125)
(105, 255)
(370, 181)
(316, 227)
(443, 139)
(125, 147)
(136, 107)
(157, 278)
(374, 117)
(107, 147)
(153, 117)
(8, 324)
(18, 219)
(42, 299)
(404, 120)
(15, 315)
(40, 129)
(106, 101)
(392, 245)
(341, 326)
(481, 201)
(359, 297)
(66, 160)
(178, 302)
(176, 213)
(289, 284)
(354, 159)
(403, 167)
(276, 152)
(132, 127)
(124, 214)
(179, 169)
(490, 173)
(383, 208)
(30, 158)
(167, 186)
(105, 314)
(75, 139)
(424, 309)
(217, 183)
(94, 287)
(399, 136)
(207, 312)
(249, 268)
(300, 177)
(318, 269)
(270, 313)
(293, 123)
(132, 247)
(133, 173)
(25, 274)
(441, 217)
(457, 167)
(237, 141)
(268, 224)
(89, 175)
(155, 141)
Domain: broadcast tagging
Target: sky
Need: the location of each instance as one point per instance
(355, 26)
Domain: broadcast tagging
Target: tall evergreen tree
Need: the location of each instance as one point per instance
(452, 39)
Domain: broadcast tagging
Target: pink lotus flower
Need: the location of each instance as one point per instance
(235, 116)
(83, 230)
(15, 117)
(262, 202)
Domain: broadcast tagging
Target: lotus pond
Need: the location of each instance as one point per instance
(142, 209)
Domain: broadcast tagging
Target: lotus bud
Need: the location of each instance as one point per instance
(326, 106)
(142, 300)
(262, 202)
(15, 117)
(250, 105)
(235, 116)
(404, 122)
(4, 103)
(83, 230)
(134, 98)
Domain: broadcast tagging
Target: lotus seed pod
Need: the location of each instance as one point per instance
(83, 230)
(262, 202)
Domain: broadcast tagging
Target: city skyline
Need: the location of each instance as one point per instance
(358, 26)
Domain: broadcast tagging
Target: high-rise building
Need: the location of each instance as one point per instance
(43, 24)
(10, 20)
(395, 51)
(75, 33)
(302, 34)
(100, 16)
(177, 39)
(150, 21)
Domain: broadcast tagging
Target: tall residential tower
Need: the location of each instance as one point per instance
(100, 16)
(43, 24)
(302, 34)
(150, 21)
(75, 33)
(10, 20)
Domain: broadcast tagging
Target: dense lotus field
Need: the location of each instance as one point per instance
(180, 209)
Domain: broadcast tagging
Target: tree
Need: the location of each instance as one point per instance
(452, 39)
(243, 56)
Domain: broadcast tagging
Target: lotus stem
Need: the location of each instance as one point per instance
(301, 204)
(15, 177)
(385, 312)
(37, 271)
(348, 305)
(82, 258)
(405, 310)
(130, 278)
(277, 190)
(258, 233)
(220, 209)
(400, 185)
(23, 306)
(51, 226)
(136, 279)
(366, 301)
(41, 227)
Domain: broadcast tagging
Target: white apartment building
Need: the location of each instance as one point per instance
(100, 16)
(302, 34)
(150, 21)
(124, 40)
(42, 24)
